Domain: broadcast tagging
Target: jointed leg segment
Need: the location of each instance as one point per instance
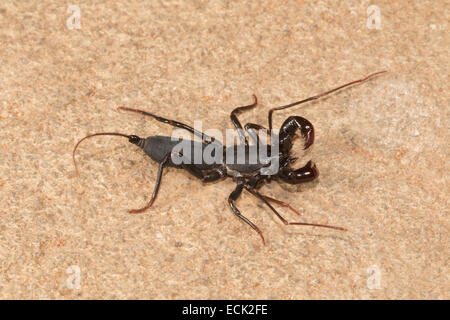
(263, 199)
(205, 137)
(232, 198)
(251, 130)
(158, 183)
(281, 203)
(236, 122)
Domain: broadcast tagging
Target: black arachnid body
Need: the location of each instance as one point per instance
(248, 175)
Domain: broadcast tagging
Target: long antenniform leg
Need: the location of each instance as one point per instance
(236, 122)
(205, 137)
(155, 190)
(263, 199)
(232, 198)
(319, 96)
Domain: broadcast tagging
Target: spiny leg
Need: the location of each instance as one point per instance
(236, 122)
(233, 197)
(261, 197)
(319, 96)
(174, 123)
(158, 183)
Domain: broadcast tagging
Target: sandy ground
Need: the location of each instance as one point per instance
(381, 148)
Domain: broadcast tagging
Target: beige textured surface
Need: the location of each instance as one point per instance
(381, 147)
